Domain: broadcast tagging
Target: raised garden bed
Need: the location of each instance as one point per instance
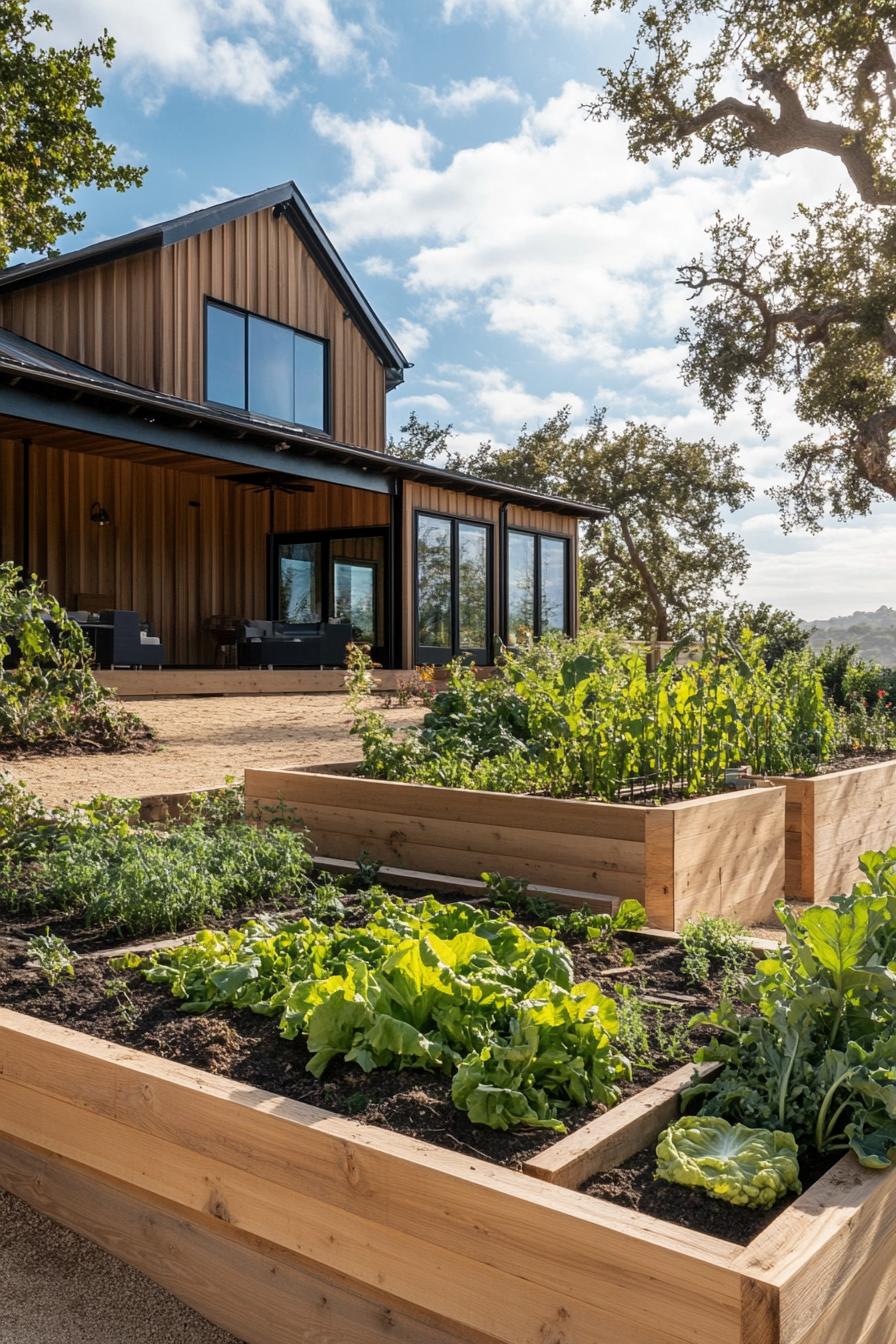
(722, 855)
(283, 1222)
(832, 818)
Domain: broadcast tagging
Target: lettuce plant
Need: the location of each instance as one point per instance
(752, 1168)
(448, 988)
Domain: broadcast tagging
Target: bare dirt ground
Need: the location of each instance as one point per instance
(201, 741)
(57, 1288)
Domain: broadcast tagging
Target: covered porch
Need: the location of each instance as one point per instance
(202, 520)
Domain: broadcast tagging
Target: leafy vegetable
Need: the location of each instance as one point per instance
(421, 985)
(817, 1053)
(53, 956)
(586, 718)
(753, 1168)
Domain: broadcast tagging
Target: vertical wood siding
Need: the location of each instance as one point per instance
(141, 318)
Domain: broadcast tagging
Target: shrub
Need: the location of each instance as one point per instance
(49, 698)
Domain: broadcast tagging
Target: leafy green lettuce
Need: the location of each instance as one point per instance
(421, 985)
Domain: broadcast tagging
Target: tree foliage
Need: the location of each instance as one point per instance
(49, 147)
(420, 441)
(782, 631)
(812, 315)
(664, 553)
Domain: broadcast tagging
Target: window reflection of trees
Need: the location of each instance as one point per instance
(472, 582)
(520, 587)
(433, 582)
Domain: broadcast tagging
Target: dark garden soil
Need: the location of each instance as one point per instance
(852, 762)
(122, 1007)
(633, 1185)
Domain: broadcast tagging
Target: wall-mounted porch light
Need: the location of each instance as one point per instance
(99, 515)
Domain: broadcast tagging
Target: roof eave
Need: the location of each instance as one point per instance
(270, 433)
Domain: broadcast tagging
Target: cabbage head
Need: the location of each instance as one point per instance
(752, 1168)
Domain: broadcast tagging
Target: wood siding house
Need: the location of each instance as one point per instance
(193, 427)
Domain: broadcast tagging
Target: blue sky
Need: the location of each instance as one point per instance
(516, 254)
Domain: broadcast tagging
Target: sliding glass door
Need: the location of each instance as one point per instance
(338, 576)
(452, 563)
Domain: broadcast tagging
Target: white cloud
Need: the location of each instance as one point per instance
(240, 49)
(553, 235)
(564, 11)
(378, 148)
(506, 401)
(412, 337)
(214, 196)
(464, 96)
(379, 266)
(439, 405)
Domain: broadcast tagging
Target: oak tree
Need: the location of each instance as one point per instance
(49, 146)
(815, 314)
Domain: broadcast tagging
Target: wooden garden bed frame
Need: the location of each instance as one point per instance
(830, 821)
(288, 1225)
(721, 856)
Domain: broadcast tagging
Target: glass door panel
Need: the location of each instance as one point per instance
(354, 597)
(520, 587)
(434, 636)
(299, 582)
(553, 584)
(453, 573)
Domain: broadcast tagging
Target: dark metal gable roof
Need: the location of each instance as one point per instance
(37, 384)
(285, 198)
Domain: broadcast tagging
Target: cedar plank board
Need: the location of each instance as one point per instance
(217, 1271)
(616, 1135)
(498, 1217)
(618, 821)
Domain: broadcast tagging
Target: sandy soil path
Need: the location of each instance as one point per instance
(203, 740)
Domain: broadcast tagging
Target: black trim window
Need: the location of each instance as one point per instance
(263, 366)
(452, 567)
(536, 585)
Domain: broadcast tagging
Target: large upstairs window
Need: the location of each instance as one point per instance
(262, 366)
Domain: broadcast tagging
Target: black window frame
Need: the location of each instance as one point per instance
(326, 537)
(245, 314)
(568, 595)
(427, 654)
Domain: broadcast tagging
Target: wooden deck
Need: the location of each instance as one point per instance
(149, 684)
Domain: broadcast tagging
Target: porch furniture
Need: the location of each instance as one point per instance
(225, 631)
(120, 640)
(287, 644)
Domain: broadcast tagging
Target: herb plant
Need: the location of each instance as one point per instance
(96, 863)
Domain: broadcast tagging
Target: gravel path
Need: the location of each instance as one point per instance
(56, 1288)
(201, 741)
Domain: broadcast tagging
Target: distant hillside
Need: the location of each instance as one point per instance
(873, 631)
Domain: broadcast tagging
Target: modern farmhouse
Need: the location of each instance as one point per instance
(192, 455)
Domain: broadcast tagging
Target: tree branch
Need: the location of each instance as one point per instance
(795, 129)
